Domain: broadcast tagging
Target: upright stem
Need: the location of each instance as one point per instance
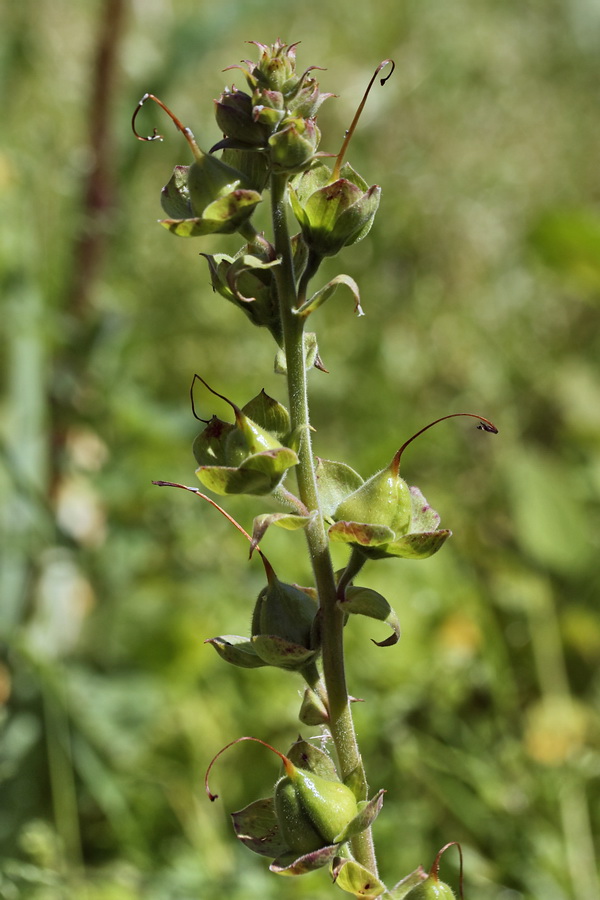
(341, 724)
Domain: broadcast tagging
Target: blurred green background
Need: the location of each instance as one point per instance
(480, 282)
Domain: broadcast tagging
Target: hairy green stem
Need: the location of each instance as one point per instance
(341, 724)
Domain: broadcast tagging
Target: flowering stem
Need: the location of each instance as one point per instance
(341, 724)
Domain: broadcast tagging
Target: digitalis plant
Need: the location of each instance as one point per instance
(319, 813)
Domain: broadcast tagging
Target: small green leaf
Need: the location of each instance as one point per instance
(237, 650)
(350, 876)
(366, 602)
(335, 480)
(326, 292)
(257, 828)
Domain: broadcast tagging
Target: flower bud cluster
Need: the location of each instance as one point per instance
(278, 115)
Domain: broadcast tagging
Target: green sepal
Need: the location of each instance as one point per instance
(361, 534)
(277, 651)
(223, 216)
(209, 446)
(247, 282)
(367, 602)
(355, 879)
(412, 546)
(335, 481)
(367, 813)
(253, 166)
(258, 474)
(355, 779)
(288, 521)
(307, 756)
(290, 864)
(400, 890)
(256, 826)
(326, 292)
(311, 355)
(175, 196)
(237, 650)
(271, 415)
(210, 179)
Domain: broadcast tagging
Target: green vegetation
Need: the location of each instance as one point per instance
(480, 283)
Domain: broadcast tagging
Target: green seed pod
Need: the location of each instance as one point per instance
(312, 811)
(246, 439)
(208, 197)
(330, 805)
(284, 610)
(384, 499)
(243, 458)
(384, 517)
(432, 888)
(296, 828)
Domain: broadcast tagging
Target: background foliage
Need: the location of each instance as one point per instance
(481, 282)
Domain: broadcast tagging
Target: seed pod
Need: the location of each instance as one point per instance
(312, 811)
(296, 827)
(384, 517)
(329, 805)
(384, 499)
(208, 197)
(432, 888)
(284, 611)
(243, 458)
